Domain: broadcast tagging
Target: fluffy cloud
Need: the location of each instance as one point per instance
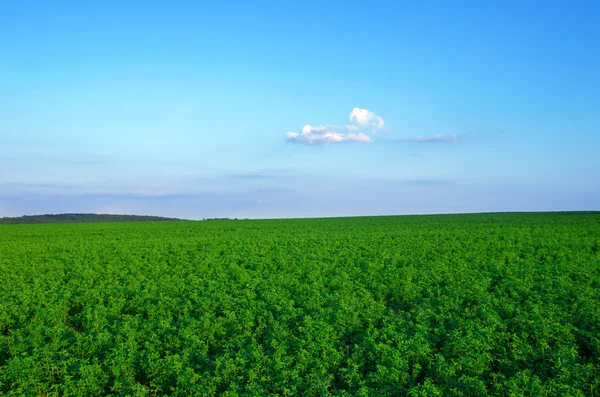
(310, 135)
(366, 118)
(362, 118)
(430, 139)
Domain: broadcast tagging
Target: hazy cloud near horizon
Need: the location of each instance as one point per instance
(350, 198)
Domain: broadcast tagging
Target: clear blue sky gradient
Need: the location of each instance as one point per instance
(182, 108)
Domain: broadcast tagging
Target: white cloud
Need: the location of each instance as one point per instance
(362, 118)
(366, 118)
(310, 135)
(435, 138)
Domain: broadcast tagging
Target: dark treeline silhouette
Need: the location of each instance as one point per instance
(83, 218)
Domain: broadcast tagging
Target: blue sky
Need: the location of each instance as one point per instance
(272, 109)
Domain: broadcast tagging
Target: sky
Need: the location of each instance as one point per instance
(271, 109)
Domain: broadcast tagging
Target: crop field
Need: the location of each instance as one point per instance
(440, 305)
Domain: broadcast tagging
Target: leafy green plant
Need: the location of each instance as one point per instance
(486, 304)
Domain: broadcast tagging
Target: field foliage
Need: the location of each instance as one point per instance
(465, 305)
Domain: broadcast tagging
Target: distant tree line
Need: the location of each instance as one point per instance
(83, 218)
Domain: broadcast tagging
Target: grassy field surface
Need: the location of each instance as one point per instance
(442, 305)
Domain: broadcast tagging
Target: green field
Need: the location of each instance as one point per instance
(486, 304)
